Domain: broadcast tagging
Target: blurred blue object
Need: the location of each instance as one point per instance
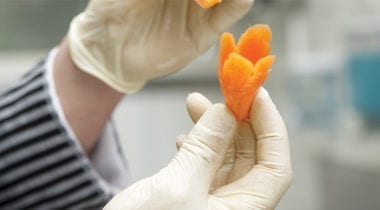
(314, 89)
(364, 70)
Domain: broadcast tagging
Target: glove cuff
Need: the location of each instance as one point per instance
(89, 63)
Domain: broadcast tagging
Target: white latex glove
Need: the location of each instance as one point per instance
(260, 175)
(184, 182)
(241, 157)
(128, 42)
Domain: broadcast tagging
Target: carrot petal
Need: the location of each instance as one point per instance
(236, 70)
(261, 69)
(254, 43)
(227, 46)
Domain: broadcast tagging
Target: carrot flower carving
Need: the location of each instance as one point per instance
(244, 67)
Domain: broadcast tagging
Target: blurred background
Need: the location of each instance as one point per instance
(325, 82)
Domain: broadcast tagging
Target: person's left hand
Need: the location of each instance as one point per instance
(125, 43)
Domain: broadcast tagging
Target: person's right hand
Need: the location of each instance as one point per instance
(125, 43)
(242, 156)
(260, 175)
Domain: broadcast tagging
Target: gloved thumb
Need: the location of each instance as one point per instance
(205, 146)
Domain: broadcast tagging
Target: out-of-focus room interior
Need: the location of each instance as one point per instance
(325, 83)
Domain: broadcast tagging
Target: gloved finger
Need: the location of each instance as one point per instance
(179, 141)
(209, 140)
(197, 105)
(273, 150)
(245, 157)
(229, 12)
(223, 172)
(267, 182)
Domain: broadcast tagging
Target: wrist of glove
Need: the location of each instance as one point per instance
(127, 43)
(209, 173)
(99, 52)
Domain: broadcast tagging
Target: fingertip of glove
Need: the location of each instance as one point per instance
(197, 105)
(265, 117)
(262, 102)
(262, 95)
(196, 97)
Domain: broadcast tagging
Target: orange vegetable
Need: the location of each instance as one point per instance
(208, 3)
(244, 67)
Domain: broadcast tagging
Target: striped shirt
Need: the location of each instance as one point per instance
(41, 165)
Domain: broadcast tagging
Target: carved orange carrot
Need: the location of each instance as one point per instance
(208, 3)
(244, 67)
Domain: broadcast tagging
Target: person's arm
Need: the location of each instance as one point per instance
(87, 102)
(43, 165)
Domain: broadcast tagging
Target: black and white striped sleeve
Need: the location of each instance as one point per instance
(41, 165)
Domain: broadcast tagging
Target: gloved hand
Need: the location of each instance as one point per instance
(260, 175)
(128, 42)
(242, 153)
